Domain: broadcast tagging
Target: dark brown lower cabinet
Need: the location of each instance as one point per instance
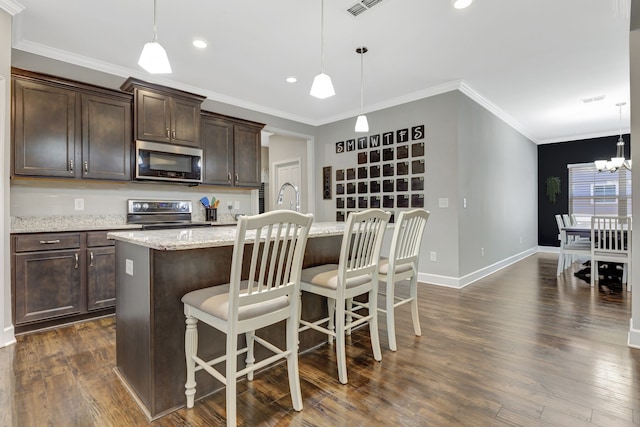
(48, 285)
(101, 271)
(58, 277)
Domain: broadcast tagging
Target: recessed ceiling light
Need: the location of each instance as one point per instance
(291, 79)
(461, 4)
(200, 44)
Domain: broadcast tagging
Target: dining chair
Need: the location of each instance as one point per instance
(268, 252)
(611, 242)
(569, 248)
(402, 265)
(355, 274)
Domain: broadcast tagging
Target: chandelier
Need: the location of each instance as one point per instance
(618, 161)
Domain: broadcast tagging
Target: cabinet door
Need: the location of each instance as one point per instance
(101, 278)
(153, 116)
(185, 122)
(106, 138)
(44, 130)
(47, 285)
(217, 148)
(246, 141)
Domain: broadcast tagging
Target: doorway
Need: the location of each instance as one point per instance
(287, 171)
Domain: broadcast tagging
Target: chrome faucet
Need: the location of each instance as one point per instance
(295, 189)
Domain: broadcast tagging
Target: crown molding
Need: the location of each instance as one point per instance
(12, 7)
(496, 111)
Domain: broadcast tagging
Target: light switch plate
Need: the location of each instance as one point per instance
(79, 204)
(443, 202)
(128, 267)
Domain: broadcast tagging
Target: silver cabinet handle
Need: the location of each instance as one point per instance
(86, 166)
(49, 242)
(237, 178)
(76, 267)
(168, 134)
(173, 134)
(229, 177)
(90, 259)
(70, 165)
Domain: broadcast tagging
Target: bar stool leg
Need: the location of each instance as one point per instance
(331, 309)
(190, 350)
(250, 360)
(391, 322)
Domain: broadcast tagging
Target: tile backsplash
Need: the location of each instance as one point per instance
(55, 198)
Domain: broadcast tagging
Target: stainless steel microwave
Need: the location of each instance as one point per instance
(166, 162)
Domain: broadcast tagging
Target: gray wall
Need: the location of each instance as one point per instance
(470, 154)
(498, 176)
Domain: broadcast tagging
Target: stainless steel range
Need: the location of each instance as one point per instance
(162, 214)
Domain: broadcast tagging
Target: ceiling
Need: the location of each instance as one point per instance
(530, 62)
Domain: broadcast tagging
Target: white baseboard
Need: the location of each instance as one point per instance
(549, 249)
(461, 282)
(8, 336)
(634, 336)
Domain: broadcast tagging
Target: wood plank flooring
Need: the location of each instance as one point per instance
(518, 348)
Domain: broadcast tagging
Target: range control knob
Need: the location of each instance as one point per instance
(145, 206)
(137, 207)
(183, 207)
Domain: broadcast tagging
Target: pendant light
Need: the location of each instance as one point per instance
(153, 57)
(618, 161)
(362, 125)
(322, 87)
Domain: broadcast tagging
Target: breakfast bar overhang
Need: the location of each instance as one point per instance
(154, 269)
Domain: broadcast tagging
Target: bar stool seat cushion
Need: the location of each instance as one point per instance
(326, 276)
(383, 267)
(215, 301)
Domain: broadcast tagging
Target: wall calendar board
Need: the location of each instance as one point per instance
(389, 173)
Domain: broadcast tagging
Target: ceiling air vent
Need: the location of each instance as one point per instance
(362, 6)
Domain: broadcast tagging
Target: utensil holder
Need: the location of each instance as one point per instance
(211, 214)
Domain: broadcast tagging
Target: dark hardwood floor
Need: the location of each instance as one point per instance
(518, 348)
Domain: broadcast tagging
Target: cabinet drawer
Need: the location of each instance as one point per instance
(98, 238)
(46, 242)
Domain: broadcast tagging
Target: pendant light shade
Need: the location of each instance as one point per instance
(153, 57)
(322, 86)
(362, 124)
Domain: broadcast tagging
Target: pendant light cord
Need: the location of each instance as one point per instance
(321, 36)
(155, 29)
(361, 80)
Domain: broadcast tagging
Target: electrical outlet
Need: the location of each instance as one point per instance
(79, 204)
(433, 256)
(236, 205)
(229, 205)
(128, 267)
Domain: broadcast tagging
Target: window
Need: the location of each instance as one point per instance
(598, 193)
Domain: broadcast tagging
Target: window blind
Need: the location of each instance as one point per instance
(598, 193)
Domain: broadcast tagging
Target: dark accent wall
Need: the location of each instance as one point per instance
(552, 161)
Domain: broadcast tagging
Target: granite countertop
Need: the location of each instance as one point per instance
(194, 238)
(56, 224)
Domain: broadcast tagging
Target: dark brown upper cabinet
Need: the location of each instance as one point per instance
(67, 129)
(164, 114)
(231, 150)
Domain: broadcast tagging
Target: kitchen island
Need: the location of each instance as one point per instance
(154, 269)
